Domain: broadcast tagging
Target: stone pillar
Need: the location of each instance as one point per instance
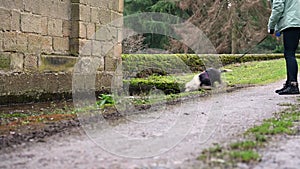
(88, 16)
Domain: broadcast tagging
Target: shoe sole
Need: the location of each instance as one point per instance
(288, 93)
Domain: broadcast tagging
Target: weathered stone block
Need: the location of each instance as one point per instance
(86, 65)
(97, 48)
(30, 62)
(98, 85)
(34, 44)
(63, 9)
(75, 29)
(85, 47)
(101, 66)
(10, 41)
(31, 23)
(115, 16)
(15, 21)
(95, 15)
(46, 42)
(59, 9)
(90, 31)
(61, 44)
(57, 63)
(36, 84)
(46, 8)
(44, 25)
(66, 28)
(52, 84)
(14, 42)
(82, 30)
(22, 42)
(118, 51)
(97, 3)
(4, 61)
(17, 62)
(84, 13)
(103, 34)
(12, 85)
(110, 63)
(64, 82)
(74, 46)
(33, 6)
(55, 27)
(12, 4)
(104, 16)
(75, 12)
(5, 16)
(114, 5)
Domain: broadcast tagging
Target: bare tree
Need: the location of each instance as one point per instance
(133, 44)
(231, 25)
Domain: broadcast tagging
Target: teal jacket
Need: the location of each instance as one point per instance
(285, 14)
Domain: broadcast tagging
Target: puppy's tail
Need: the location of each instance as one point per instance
(225, 70)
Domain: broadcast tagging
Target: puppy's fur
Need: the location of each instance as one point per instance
(205, 79)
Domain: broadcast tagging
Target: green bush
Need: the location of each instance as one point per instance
(184, 63)
(167, 84)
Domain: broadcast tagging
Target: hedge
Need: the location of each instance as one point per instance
(182, 63)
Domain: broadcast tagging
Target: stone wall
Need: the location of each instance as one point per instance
(39, 37)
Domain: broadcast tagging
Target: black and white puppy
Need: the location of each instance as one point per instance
(205, 79)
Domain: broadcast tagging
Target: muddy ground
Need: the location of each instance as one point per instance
(203, 121)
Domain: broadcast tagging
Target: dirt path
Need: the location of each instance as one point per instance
(284, 153)
(202, 122)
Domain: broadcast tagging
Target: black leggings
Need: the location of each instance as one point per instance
(291, 38)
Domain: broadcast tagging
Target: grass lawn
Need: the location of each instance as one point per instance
(259, 72)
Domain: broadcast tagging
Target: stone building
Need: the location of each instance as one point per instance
(41, 41)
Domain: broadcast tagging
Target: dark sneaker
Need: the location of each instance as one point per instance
(290, 90)
(285, 85)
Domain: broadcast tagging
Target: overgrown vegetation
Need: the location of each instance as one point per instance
(105, 99)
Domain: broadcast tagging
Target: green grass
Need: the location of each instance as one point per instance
(254, 138)
(105, 99)
(244, 156)
(244, 145)
(258, 72)
(272, 127)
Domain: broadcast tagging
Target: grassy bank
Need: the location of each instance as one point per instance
(246, 150)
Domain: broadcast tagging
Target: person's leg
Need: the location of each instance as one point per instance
(291, 40)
